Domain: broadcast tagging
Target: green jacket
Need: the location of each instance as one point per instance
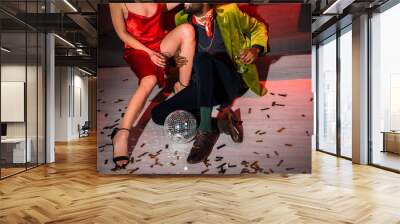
(238, 31)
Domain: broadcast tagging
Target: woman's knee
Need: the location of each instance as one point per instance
(147, 83)
(187, 31)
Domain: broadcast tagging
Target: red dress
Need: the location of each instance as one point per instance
(150, 32)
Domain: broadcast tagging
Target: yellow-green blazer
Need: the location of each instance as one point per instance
(239, 31)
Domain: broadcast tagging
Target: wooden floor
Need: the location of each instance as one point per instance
(5, 172)
(70, 191)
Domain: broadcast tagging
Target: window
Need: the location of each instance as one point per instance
(385, 89)
(346, 95)
(335, 74)
(326, 94)
(22, 78)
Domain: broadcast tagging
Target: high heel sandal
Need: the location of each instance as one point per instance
(119, 158)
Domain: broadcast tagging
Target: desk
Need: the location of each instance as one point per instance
(391, 141)
(15, 148)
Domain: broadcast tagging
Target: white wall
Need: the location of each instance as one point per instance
(33, 127)
(80, 111)
(71, 93)
(16, 73)
(61, 103)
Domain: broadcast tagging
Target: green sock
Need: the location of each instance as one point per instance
(205, 119)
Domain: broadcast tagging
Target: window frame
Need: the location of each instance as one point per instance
(339, 32)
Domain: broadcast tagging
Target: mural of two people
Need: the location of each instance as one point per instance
(214, 48)
(219, 35)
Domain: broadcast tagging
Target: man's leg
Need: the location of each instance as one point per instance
(205, 119)
(230, 86)
(207, 136)
(204, 69)
(183, 100)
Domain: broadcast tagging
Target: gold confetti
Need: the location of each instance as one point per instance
(280, 130)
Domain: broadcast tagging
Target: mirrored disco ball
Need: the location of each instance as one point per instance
(180, 126)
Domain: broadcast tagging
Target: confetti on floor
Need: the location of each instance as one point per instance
(221, 146)
(290, 109)
(280, 130)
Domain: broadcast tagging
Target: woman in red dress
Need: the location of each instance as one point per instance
(139, 26)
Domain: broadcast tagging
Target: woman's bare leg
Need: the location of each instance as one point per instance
(132, 112)
(181, 38)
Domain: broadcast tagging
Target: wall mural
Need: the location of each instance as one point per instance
(200, 88)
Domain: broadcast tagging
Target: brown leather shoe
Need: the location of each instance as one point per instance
(230, 124)
(202, 146)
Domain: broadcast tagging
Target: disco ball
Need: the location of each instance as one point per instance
(180, 126)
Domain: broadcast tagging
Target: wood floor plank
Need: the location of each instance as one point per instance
(71, 191)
